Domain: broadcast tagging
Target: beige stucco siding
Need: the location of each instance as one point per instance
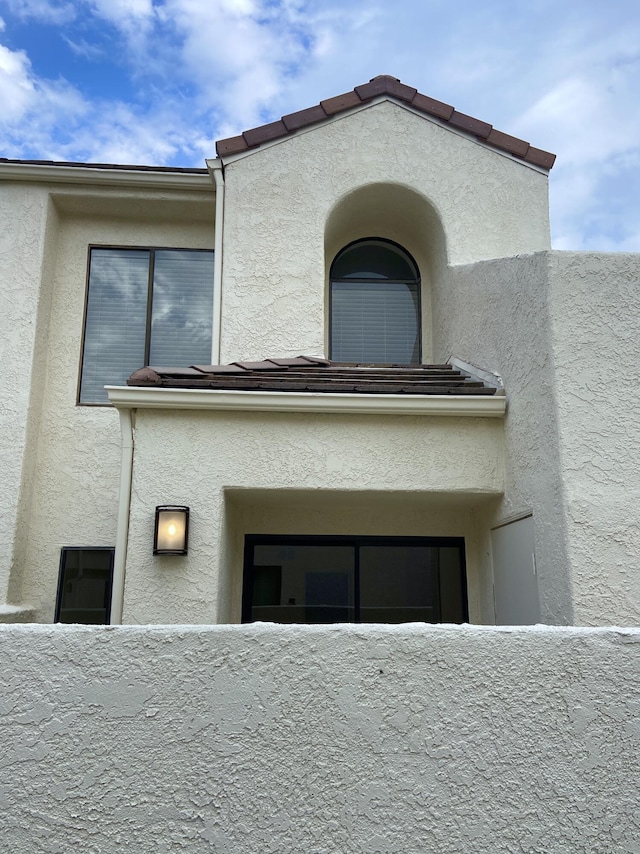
(562, 330)
(495, 314)
(595, 322)
(28, 228)
(261, 472)
(75, 450)
(280, 199)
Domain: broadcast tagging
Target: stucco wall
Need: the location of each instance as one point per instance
(405, 739)
(195, 458)
(495, 314)
(595, 312)
(27, 227)
(75, 450)
(280, 199)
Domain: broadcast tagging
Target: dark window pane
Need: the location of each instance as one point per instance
(373, 259)
(303, 584)
(116, 320)
(182, 308)
(451, 586)
(399, 584)
(84, 589)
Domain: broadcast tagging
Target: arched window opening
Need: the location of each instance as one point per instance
(374, 304)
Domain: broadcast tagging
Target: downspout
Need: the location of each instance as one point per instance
(216, 169)
(124, 506)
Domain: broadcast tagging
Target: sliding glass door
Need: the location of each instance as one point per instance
(354, 579)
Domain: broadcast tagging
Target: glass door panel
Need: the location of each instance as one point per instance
(299, 583)
(399, 584)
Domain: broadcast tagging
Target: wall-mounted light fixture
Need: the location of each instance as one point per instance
(171, 535)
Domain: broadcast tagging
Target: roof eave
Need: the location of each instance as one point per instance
(130, 397)
(71, 174)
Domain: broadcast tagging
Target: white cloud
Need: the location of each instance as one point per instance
(565, 77)
(16, 86)
(238, 52)
(123, 13)
(84, 49)
(33, 110)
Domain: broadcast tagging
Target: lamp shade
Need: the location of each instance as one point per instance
(171, 535)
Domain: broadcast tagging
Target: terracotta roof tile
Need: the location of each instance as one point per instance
(540, 157)
(471, 125)
(256, 136)
(231, 145)
(433, 107)
(302, 118)
(341, 103)
(508, 143)
(313, 374)
(385, 85)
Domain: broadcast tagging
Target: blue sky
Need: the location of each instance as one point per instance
(158, 81)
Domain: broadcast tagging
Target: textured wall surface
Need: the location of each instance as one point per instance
(75, 450)
(193, 457)
(495, 314)
(254, 739)
(279, 202)
(562, 330)
(23, 229)
(595, 312)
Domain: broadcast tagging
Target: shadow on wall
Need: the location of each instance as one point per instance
(398, 213)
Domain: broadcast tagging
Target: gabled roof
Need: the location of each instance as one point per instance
(393, 88)
(313, 374)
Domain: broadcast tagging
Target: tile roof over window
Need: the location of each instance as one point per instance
(312, 374)
(381, 86)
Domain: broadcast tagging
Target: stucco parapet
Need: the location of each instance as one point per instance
(254, 401)
(466, 632)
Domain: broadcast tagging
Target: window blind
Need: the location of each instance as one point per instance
(116, 325)
(374, 321)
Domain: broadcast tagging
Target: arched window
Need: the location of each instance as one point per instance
(375, 304)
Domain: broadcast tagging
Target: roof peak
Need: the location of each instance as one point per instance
(384, 85)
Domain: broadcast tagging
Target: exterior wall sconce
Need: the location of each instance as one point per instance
(171, 535)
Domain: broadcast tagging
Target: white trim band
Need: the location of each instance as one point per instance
(53, 174)
(476, 406)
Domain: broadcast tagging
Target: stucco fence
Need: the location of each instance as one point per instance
(319, 740)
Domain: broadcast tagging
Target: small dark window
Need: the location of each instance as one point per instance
(354, 579)
(144, 307)
(84, 585)
(375, 304)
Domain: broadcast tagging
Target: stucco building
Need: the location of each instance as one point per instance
(381, 395)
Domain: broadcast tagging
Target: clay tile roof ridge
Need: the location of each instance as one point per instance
(385, 85)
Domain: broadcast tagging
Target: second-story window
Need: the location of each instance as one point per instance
(144, 307)
(375, 304)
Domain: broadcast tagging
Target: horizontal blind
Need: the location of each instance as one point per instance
(115, 324)
(181, 318)
(375, 321)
